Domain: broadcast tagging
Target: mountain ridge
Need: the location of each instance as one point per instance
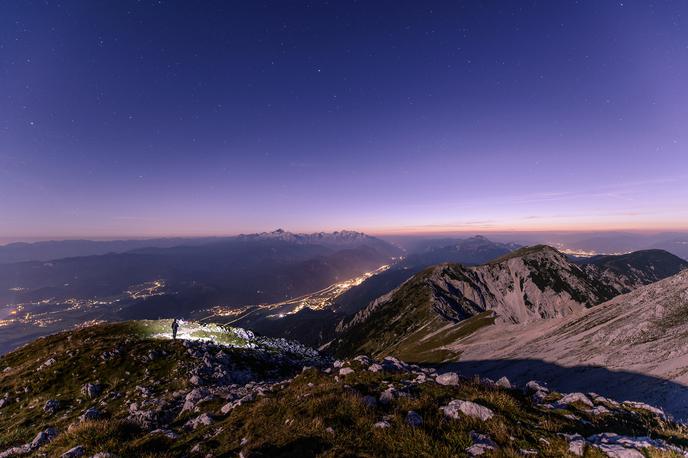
(58, 249)
(448, 301)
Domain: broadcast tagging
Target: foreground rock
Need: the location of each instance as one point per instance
(457, 407)
(448, 378)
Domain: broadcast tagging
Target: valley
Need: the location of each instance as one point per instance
(24, 321)
(318, 300)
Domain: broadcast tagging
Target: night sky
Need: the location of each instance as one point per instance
(122, 118)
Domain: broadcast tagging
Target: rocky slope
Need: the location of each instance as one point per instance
(642, 332)
(128, 390)
(418, 320)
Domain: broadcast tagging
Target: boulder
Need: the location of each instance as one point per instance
(413, 419)
(387, 396)
(534, 387)
(47, 363)
(193, 397)
(420, 378)
(51, 406)
(575, 397)
(576, 444)
(201, 420)
(457, 407)
(481, 444)
(602, 400)
(375, 367)
(15, 451)
(363, 359)
(346, 371)
(619, 451)
(392, 364)
(73, 452)
(90, 414)
(43, 438)
(617, 446)
(504, 383)
(448, 378)
(91, 390)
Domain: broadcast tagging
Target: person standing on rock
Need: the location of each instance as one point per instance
(175, 326)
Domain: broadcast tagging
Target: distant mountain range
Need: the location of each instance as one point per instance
(59, 249)
(247, 269)
(607, 242)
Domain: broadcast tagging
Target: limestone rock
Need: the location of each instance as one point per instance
(413, 419)
(481, 444)
(448, 378)
(457, 407)
(504, 383)
(73, 452)
(91, 390)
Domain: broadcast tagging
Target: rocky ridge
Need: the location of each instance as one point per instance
(134, 394)
(450, 301)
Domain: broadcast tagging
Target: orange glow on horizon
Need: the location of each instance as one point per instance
(435, 229)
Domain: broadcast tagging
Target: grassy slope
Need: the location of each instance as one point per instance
(78, 362)
(408, 327)
(390, 321)
(427, 344)
(294, 421)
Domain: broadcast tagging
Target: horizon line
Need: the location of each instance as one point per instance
(7, 240)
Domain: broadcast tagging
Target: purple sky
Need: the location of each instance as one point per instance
(165, 118)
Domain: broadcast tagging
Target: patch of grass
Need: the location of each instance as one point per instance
(428, 344)
(78, 361)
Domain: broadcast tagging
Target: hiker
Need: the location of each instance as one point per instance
(175, 326)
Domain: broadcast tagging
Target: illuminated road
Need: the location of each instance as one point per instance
(317, 300)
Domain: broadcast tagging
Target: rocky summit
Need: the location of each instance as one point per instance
(128, 389)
